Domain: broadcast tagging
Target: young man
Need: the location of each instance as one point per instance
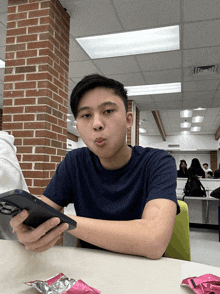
(124, 196)
(206, 169)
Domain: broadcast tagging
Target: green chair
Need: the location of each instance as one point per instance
(179, 246)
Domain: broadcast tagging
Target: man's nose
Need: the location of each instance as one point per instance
(97, 123)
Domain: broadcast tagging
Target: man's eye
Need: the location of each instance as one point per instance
(108, 111)
(86, 115)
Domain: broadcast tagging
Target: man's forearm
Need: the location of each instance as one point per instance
(128, 237)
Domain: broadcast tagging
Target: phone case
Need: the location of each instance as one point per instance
(13, 202)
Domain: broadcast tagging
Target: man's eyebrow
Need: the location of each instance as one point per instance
(83, 108)
(107, 103)
(100, 106)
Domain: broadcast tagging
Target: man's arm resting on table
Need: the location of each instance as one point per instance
(147, 237)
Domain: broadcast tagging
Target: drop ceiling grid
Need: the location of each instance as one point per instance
(200, 45)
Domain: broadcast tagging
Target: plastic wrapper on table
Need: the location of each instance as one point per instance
(61, 284)
(205, 284)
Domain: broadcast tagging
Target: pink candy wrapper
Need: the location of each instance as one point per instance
(61, 284)
(205, 284)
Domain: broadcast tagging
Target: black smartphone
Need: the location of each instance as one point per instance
(14, 201)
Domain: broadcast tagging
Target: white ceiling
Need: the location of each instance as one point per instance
(199, 22)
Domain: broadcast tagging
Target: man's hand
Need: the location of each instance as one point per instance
(40, 239)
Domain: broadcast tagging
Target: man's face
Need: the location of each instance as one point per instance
(205, 166)
(102, 122)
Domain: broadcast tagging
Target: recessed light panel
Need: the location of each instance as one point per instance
(131, 43)
(195, 129)
(185, 133)
(197, 119)
(186, 113)
(185, 125)
(154, 89)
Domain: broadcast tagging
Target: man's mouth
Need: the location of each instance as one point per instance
(100, 141)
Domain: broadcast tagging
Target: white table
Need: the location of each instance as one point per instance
(109, 272)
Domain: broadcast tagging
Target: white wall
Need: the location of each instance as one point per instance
(73, 145)
(185, 142)
(190, 146)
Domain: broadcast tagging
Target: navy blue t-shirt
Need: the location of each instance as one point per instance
(119, 194)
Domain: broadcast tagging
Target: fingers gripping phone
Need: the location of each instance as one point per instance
(14, 201)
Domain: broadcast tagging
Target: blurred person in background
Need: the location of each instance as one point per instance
(196, 169)
(183, 171)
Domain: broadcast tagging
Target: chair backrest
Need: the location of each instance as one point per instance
(179, 246)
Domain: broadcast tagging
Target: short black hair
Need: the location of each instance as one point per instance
(95, 81)
(205, 164)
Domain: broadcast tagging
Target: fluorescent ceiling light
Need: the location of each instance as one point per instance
(197, 119)
(186, 113)
(142, 131)
(2, 64)
(153, 89)
(185, 125)
(185, 132)
(200, 108)
(130, 43)
(195, 129)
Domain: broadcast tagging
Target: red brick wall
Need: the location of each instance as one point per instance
(72, 137)
(35, 100)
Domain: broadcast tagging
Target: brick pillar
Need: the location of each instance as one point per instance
(0, 119)
(213, 157)
(35, 103)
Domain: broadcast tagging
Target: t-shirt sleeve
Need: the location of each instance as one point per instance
(162, 179)
(59, 189)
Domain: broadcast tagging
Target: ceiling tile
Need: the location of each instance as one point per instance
(207, 85)
(168, 104)
(163, 76)
(82, 68)
(129, 79)
(160, 61)
(145, 106)
(217, 95)
(117, 65)
(201, 56)
(201, 34)
(141, 99)
(76, 52)
(3, 17)
(167, 97)
(216, 102)
(200, 9)
(208, 95)
(94, 17)
(150, 13)
(2, 73)
(3, 35)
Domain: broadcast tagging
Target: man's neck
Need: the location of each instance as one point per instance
(119, 160)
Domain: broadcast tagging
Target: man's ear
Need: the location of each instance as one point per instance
(129, 118)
